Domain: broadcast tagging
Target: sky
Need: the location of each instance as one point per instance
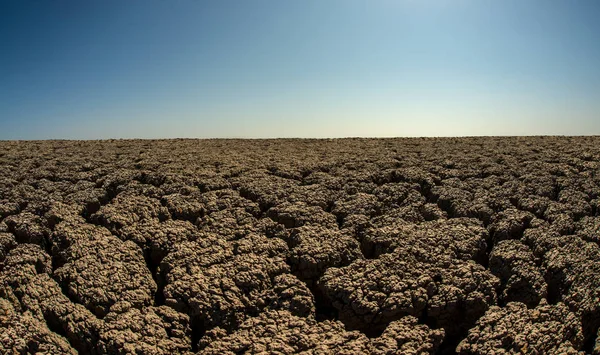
(309, 68)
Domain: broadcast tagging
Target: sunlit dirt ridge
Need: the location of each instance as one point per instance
(346, 246)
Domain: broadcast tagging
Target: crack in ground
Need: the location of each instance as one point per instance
(198, 330)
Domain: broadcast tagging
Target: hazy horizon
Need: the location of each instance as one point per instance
(305, 69)
(295, 138)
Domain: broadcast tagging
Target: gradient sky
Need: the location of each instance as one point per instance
(333, 68)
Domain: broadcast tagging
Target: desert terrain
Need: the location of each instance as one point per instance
(342, 246)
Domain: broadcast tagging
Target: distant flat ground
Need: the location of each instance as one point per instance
(337, 246)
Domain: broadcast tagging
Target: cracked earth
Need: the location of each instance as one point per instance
(345, 246)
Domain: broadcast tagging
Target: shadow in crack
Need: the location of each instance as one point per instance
(198, 331)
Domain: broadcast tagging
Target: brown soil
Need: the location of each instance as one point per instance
(346, 246)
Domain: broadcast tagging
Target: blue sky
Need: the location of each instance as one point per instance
(333, 68)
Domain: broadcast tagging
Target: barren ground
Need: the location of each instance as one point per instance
(380, 246)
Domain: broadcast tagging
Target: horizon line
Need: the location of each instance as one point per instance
(300, 138)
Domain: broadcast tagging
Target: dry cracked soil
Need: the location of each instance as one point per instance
(346, 246)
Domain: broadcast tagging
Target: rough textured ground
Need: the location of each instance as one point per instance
(382, 246)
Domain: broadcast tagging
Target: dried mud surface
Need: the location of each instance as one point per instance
(375, 246)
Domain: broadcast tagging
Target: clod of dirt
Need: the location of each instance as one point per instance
(293, 215)
(23, 334)
(515, 329)
(462, 238)
(8, 208)
(47, 312)
(222, 282)
(128, 210)
(22, 263)
(315, 195)
(39, 295)
(509, 224)
(184, 207)
(231, 223)
(521, 279)
(158, 239)
(359, 203)
(314, 249)
(98, 269)
(370, 294)
(27, 228)
(284, 333)
(150, 330)
(573, 275)
(265, 189)
(588, 228)
(7, 242)
(576, 202)
(456, 201)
